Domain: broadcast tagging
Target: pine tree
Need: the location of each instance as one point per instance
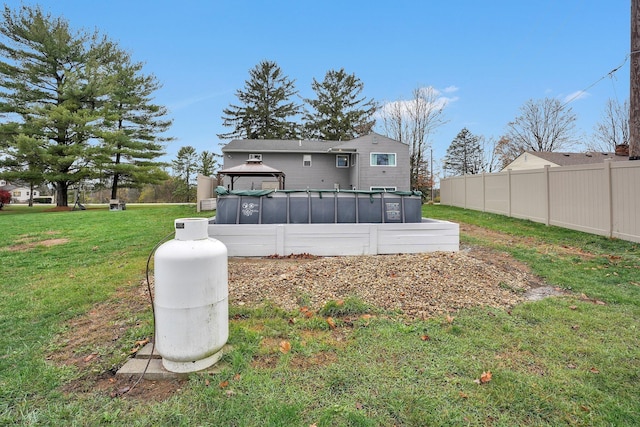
(265, 109)
(464, 155)
(130, 127)
(339, 113)
(208, 163)
(51, 81)
(185, 168)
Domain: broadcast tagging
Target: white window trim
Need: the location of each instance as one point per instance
(256, 156)
(346, 157)
(382, 188)
(306, 158)
(395, 160)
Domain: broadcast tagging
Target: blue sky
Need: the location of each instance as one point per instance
(487, 57)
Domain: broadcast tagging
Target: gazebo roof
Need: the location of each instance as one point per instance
(253, 167)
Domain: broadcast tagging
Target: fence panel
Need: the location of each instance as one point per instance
(529, 194)
(496, 190)
(625, 201)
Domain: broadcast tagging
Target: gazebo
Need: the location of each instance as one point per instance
(254, 167)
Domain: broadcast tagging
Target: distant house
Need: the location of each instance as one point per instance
(19, 193)
(539, 159)
(371, 162)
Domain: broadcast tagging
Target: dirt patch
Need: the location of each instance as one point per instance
(508, 240)
(30, 245)
(92, 338)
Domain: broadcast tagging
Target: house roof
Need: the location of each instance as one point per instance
(278, 145)
(299, 146)
(569, 159)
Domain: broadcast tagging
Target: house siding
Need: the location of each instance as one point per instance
(323, 173)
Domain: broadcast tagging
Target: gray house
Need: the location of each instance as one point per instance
(371, 162)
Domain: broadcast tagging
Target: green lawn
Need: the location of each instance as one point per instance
(572, 360)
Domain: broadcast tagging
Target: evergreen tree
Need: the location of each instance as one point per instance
(265, 109)
(23, 162)
(464, 155)
(208, 163)
(129, 127)
(339, 113)
(185, 168)
(52, 84)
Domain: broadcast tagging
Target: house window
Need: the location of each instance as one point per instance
(342, 160)
(17, 193)
(306, 160)
(255, 156)
(383, 159)
(383, 188)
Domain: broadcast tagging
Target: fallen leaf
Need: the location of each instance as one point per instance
(594, 370)
(575, 327)
(237, 377)
(598, 302)
(90, 357)
(450, 319)
(142, 342)
(331, 322)
(425, 337)
(359, 406)
(207, 382)
(463, 395)
(229, 393)
(573, 307)
(224, 384)
(571, 366)
(285, 347)
(292, 320)
(585, 408)
(340, 303)
(485, 377)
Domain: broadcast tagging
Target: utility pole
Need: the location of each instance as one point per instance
(634, 96)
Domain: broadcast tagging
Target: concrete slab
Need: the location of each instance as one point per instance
(151, 365)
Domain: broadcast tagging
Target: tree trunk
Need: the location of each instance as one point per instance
(61, 194)
(114, 187)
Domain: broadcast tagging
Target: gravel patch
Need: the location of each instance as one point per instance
(419, 285)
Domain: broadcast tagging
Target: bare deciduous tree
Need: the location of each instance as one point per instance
(543, 125)
(412, 122)
(613, 128)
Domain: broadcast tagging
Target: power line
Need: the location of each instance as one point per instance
(609, 74)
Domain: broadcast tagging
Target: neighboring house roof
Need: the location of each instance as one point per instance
(537, 159)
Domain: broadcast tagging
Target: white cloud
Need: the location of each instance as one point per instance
(579, 94)
(433, 96)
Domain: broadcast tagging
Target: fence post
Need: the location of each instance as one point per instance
(484, 193)
(509, 193)
(465, 191)
(609, 190)
(547, 196)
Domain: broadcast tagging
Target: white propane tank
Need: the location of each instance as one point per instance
(191, 298)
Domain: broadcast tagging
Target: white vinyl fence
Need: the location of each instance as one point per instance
(601, 198)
